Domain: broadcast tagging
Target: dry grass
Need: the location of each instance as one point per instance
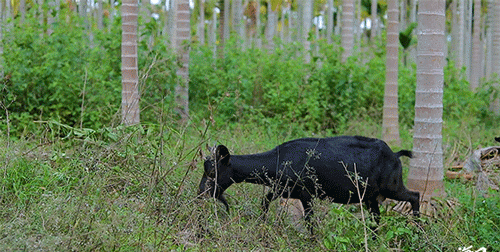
(135, 189)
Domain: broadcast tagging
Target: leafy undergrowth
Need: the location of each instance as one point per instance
(135, 189)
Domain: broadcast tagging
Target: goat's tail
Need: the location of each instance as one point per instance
(497, 139)
(404, 153)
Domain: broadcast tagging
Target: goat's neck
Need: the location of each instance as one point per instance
(256, 168)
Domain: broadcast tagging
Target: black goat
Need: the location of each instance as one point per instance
(315, 167)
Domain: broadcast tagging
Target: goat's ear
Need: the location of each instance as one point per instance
(222, 155)
(211, 150)
(201, 154)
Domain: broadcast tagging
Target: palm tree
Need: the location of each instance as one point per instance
(271, 26)
(201, 24)
(1, 42)
(182, 34)
(374, 20)
(390, 125)
(223, 26)
(347, 28)
(476, 55)
(426, 168)
(329, 26)
(306, 27)
(22, 9)
(460, 25)
(495, 47)
(130, 78)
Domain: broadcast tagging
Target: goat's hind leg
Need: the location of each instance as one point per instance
(410, 196)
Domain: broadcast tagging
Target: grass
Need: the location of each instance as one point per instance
(135, 189)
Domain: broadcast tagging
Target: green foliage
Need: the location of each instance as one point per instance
(350, 238)
(481, 219)
(65, 77)
(406, 37)
(68, 77)
(134, 188)
(51, 73)
(460, 102)
(254, 85)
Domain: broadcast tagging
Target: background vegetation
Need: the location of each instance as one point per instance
(71, 178)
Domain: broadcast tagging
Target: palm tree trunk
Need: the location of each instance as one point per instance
(1, 41)
(468, 39)
(426, 168)
(306, 27)
(201, 23)
(271, 27)
(476, 54)
(182, 34)
(257, 26)
(212, 34)
(347, 28)
(390, 123)
(100, 24)
(130, 79)
(329, 26)
(495, 48)
(374, 19)
(22, 9)
(459, 50)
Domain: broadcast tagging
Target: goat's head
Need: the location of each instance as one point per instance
(217, 176)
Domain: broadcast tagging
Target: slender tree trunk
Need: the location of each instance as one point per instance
(22, 10)
(8, 10)
(171, 22)
(476, 53)
(212, 34)
(413, 19)
(426, 168)
(271, 26)
(489, 39)
(454, 30)
(460, 34)
(306, 27)
(291, 23)
(336, 30)
(495, 48)
(482, 50)
(238, 20)
(223, 26)
(1, 41)
(374, 19)
(130, 79)
(257, 26)
(83, 13)
(112, 14)
(390, 124)
(329, 26)
(183, 35)
(227, 16)
(468, 39)
(100, 24)
(201, 24)
(347, 28)
(220, 46)
(359, 31)
(402, 15)
(282, 30)
(50, 18)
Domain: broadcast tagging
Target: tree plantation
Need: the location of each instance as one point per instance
(107, 109)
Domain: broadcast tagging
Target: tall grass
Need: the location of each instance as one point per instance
(135, 189)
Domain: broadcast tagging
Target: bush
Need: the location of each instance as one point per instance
(67, 77)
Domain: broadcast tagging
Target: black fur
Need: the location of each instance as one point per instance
(315, 167)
